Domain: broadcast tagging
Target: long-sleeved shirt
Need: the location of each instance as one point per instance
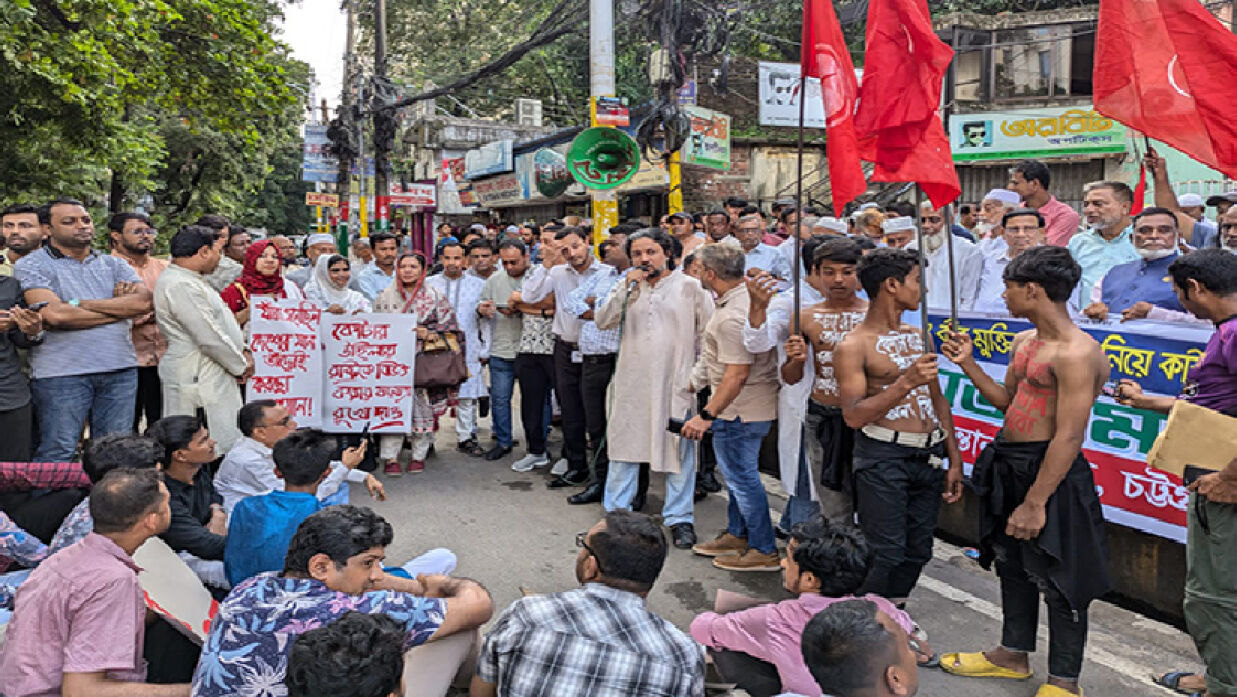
(1139, 281)
(191, 511)
(769, 259)
(595, 341)
(560, 280)
(147, 341)
(371, 281)
(968, 269)
(249, 470)
(1097, 256)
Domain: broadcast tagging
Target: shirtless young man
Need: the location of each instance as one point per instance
(828, 441)
(888, 390)
(1047, 528)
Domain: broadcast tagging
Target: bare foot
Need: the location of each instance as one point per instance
(1012, 660)
(1069, 685)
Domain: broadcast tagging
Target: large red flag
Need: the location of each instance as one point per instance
(1164, 67)
(825, 56)
(898, 122)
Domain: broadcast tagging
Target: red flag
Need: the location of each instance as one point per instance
(1163, 67)
(898, 122)
(1140, 190)
(824, 55)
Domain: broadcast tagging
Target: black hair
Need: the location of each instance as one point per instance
(536, 229)
(903, 208)
(631, 549)
(45, 210)
(480, 244)
(174, 433)
(564, 233)
(335, 259)
(866, 244)
(513, 243)
(785, 213)
(719, 211)
(838, 555)
(302, 456)
(19, 209)
(882, 264)
(357, 655)
(114, 451)
(734, 203)
(846, 648)
(451, 243)
(1050, 267)
(1033, 170)
(375, 238)
(122, 497)
(1154, 210)
(973, 124)
(214, 222)
(340, 532)
(1039, 217)
(605, 247)
(190, 239)
(838, 250)
(663, 240)
(236, 229)
(250, 416)
(964, 209)
(750, 209)
(1214, 269)
(117, 222)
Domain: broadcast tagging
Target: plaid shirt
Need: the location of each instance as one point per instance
(27, 476)
(594, 640)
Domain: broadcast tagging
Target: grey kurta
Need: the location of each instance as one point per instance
(652, 381)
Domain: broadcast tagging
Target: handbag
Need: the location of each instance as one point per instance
(440, 362)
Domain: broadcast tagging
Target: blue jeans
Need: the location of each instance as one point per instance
(502, 384)
(64, 403)
(737, 446)
(623, 478)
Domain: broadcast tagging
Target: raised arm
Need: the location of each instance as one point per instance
(1165, 197)
(959, 350)
(537, 284)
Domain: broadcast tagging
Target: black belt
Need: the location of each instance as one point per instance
(568, 344)
(600, 358)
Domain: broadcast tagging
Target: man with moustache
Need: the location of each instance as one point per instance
(1106, 241)
(967, 267)
(22, 234)
(1144, 288)
(132, 238)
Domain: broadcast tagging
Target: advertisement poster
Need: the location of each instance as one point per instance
(1033, 133)
(709, 142)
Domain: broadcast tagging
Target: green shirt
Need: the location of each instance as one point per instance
(506, 339)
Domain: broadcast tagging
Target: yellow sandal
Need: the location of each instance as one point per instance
(975, 665)
(1047, 690)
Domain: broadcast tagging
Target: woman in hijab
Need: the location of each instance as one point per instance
(261, 276)
(408, 293)
(328, 287)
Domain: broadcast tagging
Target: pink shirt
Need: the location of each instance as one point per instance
(147, 341)
(81, 611)
(772, 633)
(1060, 221)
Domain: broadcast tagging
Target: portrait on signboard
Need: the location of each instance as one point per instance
(976, 134)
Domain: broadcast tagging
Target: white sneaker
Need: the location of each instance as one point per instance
(560, 467)
(529, 461)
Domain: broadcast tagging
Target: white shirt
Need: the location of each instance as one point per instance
(249, 470)
(968, 270)
(559, 280)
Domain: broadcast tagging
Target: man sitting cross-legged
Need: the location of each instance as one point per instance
(334, 565)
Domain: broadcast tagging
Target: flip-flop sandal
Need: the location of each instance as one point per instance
(1173, 681)
(975, 665)
(933, 661)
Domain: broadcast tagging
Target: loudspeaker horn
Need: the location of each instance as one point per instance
(603, 158)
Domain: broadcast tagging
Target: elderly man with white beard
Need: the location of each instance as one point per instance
(1143, 288)
(968, 266)
(989, 233)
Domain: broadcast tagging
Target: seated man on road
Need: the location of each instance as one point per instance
(199, 528)
(334, 565)
(357, 655)
(601, 638)
(248, 470)
(80, 623)
(758, 648)
(1143, 288)
(853, 649)
(100, 456)
(262, 526)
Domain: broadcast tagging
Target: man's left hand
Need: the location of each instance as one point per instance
(28, 321)
(1138, 310)
(1216, 487)
(696, 428)
(953, 485)
(1026, 522)
(375, 488)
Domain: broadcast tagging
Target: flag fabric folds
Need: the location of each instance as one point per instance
(824, 55)
(1140, 190)
(1162, 67)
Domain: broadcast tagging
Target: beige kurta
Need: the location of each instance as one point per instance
(652, 381)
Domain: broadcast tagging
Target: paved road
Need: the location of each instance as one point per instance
(511, 532)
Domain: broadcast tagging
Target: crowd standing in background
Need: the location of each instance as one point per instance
(671, 347)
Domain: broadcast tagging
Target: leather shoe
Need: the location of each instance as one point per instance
(708, 481)
(568, 479)
(637, 503)
(593, 494)
(699, 494)
(684, 535)
(496, 453)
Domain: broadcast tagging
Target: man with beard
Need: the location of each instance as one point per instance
(19, 225)
(1106, 241)
(992, 209)
(315, 246)
(1143, 288)
(463, 291)
(132, 238)
(967, 267)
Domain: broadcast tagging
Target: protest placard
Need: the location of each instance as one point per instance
(369, 374)
(287, 357)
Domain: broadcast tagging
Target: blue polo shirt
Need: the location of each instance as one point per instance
(1139, 281)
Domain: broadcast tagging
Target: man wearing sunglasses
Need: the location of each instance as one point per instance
(132, 238)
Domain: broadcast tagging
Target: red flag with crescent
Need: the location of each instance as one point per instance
(1163, 67)
(824, 55)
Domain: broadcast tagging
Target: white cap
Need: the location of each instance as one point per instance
(512, 230)
(1189, 200)
(865, 206)
(827, 223)
(900, 224)
(478, 227)
(319, 238)
(1009, 198)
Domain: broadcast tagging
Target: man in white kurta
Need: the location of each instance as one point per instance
(206, 349)
(661, 319)
(463, 291)
(968, 267)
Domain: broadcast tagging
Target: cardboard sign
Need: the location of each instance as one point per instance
(287, 357)
(171, 589)
(315, 198)
(370, 366)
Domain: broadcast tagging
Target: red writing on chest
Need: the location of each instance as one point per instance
(1035, 387)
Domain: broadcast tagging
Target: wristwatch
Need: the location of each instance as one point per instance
(707, 415)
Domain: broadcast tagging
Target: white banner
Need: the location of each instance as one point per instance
(370, 366)
(287, 357)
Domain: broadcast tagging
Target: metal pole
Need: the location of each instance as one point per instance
(360, 143)
(923, 275)
(953, 275)
(382, 136)
(794, 234)
(601, 83)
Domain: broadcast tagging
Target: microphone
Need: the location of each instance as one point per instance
(650, 274)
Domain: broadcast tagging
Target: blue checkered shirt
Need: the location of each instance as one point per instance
(594, 341)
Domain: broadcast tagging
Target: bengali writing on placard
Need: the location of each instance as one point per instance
(369, 372)
(287, 357)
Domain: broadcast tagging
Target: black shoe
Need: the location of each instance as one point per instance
(470, 447)
(637, 503)
(780, 534)
(497, 452)
(483, 406)
(569, 479)
(593, 494)
(708, 482)
(699, 495)
(684, 535)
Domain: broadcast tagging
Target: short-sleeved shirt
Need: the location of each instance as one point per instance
(1060, 222)
(260, 530)
(246, 652)
(81, 611)
(594, 640)
(505, 341)
(723, 346)
(147, 341)
(101, 349)
(1097, 256)
(1212, 383)
(769, 259)
(537, 336)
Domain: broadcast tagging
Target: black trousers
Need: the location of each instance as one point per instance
(595, 378)
(1067, 630)
(707, 461)
(40, 514)
(535, 373)
(568, 385)
(149, 398)
(758, 678)
(17, 425)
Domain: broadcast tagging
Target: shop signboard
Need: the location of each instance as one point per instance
(1033, 133)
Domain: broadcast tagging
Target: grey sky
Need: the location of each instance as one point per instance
(315, 30)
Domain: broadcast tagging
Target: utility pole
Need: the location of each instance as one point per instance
(601, 83)
(384, 120)
(343, 183)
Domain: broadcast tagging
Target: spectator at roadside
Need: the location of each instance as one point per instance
(1143, 288)
(757, 254)
(359, 248)
(328, 287)
(21, 234)
(287, 250)
(1030, 179)
(235, 242)
(199, 527)
(853, 649)
(376, 277)
(1106, 241)
(316, 246)
(967, 268)
(1022, 229)
(20, 327)
(358, 655)
(261, 277)
(989, 235)
(505, 339)
(132, 238)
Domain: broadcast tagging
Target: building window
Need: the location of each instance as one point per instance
(1039, 62)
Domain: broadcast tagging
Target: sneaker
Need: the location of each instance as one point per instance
(392, 469)
(724, 543)
(529, 461)
(560, 467)
(416, 466)
(749, 560)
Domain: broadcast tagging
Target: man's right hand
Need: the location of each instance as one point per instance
(761, 288)
(218, 524)
(958, 348)
(1097, 311)
(486, 308)
(355, 455)
(7, 322)
(922, 371)
(636, 274)
(796, 349)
